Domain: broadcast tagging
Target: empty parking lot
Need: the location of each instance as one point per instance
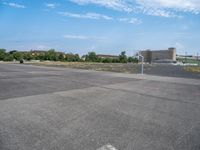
(48, 108)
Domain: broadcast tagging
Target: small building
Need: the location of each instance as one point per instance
(161, 56)
(37, 52)
(107, 56)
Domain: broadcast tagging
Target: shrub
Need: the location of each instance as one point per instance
(107, 60)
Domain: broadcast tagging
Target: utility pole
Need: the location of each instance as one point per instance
(198, 59)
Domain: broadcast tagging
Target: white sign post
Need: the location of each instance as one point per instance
(142, 67)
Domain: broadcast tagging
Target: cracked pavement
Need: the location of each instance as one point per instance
(52, 108)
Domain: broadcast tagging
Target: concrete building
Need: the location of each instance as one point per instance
(159, 55)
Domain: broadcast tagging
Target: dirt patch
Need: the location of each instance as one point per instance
(193, 69)
(113, 67)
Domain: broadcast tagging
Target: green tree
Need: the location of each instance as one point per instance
(2, 54)
(8, 57)
(133, 59)
(123, 57)
(72, 57)
(77, 57)
(41, 56)
(17, 55)
(13, 51)
(60, 57)
(51, 55)
(115, 60)
(27, 56)
(91, 57)
(130, 59)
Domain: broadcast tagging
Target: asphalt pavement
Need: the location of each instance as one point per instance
(168, 70)
(48, 108)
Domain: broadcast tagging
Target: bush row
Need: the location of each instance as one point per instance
(52, 55)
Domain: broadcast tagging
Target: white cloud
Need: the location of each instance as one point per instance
(178, 5)
(83, 37)
(51, 5)
(158, 12)
(86, 16)
(97, 16)
(14, 5)
(120, 5)
(131, 20)
(163, 8)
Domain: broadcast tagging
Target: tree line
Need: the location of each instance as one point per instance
(53, 55)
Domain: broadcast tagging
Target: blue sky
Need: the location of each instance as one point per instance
(104, 26)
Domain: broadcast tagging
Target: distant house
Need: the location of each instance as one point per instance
(159, 55)
(83, 57)
(107, 56)
(37, 52)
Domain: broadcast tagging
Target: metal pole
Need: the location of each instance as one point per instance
(142, 67)
(142, 71)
